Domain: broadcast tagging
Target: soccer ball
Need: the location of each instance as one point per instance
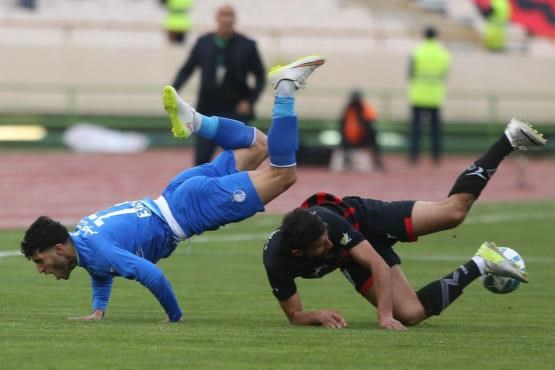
(502, 284)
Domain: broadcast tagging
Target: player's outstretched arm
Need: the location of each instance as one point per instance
(101, 292)
(365, 255)
(132, 267)
(293, 309)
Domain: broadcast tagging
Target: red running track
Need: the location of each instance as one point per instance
(68, 186)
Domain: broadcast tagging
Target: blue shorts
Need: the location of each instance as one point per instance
(211, 195)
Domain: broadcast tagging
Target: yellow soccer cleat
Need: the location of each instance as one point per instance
(497, 264)
(179, 112)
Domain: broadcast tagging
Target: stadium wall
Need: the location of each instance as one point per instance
(116, 80)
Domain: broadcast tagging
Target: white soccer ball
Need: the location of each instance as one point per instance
(502, 284)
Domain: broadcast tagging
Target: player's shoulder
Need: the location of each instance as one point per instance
(324, 212)
(273, 242)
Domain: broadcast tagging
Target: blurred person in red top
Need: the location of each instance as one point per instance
(358, 131)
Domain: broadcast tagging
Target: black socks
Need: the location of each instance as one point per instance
(475, 178)
(436, 296)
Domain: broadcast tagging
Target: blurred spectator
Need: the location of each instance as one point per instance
(28, 4)
(428, 69)
(177, 22)
(497, 14)
(226, 59)
(358, 133)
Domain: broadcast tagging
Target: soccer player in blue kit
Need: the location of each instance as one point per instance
(128, 238)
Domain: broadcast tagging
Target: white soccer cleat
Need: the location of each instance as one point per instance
(180, 113)
(496, 263)
(298, 71)
(521, 135)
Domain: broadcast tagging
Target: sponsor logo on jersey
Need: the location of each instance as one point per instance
(318, 270)
(345, 239)
(239, 196)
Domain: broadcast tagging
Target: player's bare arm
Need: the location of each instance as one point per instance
(364, 254)
(292, 307)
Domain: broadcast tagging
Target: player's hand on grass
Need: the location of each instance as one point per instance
(331, 319)
(96, 315)
(390, 323)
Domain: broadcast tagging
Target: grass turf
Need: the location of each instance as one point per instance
(233, 321)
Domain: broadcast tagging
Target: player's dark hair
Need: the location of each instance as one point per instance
(43, 234)
(300, 228)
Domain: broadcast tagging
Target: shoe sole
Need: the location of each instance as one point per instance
(308, 61)
(531, 134)
(170, 105)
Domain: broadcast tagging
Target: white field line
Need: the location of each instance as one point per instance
(10, 254)
(502, 217)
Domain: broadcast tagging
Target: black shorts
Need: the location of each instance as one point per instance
(382, 224)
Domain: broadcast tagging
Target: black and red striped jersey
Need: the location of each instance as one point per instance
(282, 267)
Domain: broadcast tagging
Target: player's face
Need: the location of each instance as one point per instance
(52, 262)
(321, 247)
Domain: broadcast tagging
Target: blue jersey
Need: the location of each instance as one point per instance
(126, 240)
(129, 238)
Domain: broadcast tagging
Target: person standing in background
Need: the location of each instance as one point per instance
(226, 59)
(358, 132)
(428, 69)
(177, 22)
(497, 16)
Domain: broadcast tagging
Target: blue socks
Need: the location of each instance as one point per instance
(283, 136)
(208, 126)
(225, 132)
(284, 106)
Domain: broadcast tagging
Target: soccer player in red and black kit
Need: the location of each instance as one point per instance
(357, 236)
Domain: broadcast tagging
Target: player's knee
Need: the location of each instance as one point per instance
(410, 321)
(286, 176)
(261, 143)
(410, 318)
(457, 215)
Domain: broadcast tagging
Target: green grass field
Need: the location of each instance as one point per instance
(233, 321)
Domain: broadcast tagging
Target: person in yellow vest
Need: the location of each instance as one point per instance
(429, 66)
(497, 15)
(177, 22)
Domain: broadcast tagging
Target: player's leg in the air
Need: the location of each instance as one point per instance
(248, 143)
(228, 189)
(430, 217)
(283, 136)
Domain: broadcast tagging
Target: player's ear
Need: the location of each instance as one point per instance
(59, 249)
(297, 252)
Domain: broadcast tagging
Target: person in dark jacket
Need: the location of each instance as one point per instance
(226, 59)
